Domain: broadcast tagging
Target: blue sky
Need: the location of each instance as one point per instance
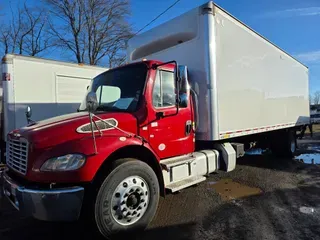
(293, 25)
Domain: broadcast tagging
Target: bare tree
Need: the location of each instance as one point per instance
(37, 40)
(93, 30)
(67, 32)
(316, 98)
(25, 32)
(5, 39)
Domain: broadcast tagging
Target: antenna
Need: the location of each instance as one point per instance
(92, 131)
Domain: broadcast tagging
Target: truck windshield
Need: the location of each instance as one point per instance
(119, 89)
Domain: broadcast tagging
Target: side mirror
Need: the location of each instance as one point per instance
(183, 86)
(91, 101)
(28, 114)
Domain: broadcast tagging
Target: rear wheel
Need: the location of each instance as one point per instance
(284, 144)
(127, 199)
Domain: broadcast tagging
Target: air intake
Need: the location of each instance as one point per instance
(109, 124)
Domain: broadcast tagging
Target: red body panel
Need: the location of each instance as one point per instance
(58, 136)
(167, 136)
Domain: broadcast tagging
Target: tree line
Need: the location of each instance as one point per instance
(315, 98)
(92, 31)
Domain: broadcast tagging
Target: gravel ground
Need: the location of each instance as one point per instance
(264, 198)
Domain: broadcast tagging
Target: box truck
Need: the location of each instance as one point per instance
(197, 92)
(50, 88)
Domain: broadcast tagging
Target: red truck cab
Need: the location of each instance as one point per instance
(112, 152)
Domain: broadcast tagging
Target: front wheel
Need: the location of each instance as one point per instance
(127, 199)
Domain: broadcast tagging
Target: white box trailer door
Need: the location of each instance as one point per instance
(50, 88)
(65, 97)
(69, 90)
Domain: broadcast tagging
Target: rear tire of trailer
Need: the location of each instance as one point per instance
(127, 199)
(284, 144)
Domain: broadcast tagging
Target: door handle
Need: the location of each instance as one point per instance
(159, 115)
(188, 127)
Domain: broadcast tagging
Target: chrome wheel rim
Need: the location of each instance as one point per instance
(130, 200)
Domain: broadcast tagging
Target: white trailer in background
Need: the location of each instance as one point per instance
(246, 84)
(49, 87)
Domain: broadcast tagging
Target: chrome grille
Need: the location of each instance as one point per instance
(17, 155)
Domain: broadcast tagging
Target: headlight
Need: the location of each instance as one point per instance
(64, 163)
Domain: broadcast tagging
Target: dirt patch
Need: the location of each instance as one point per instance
(230, 190)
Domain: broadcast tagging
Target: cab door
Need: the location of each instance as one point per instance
(170, 131)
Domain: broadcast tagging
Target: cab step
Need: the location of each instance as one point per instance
(187, 182)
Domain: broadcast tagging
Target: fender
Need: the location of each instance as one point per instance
(110, 148)
(133, 148)
(107, 146)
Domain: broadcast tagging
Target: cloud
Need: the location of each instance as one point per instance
(294, 12)
(309, 57)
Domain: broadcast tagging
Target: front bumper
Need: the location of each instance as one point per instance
(50, 205)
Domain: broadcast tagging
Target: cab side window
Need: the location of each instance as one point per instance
(164, 90)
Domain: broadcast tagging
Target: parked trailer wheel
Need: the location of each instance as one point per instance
(127, 199)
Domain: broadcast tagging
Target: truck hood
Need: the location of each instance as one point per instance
(73, 126)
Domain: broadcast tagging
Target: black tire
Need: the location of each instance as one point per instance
(104, 218)
(284, 144)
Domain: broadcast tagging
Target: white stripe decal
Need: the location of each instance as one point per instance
(254, 130)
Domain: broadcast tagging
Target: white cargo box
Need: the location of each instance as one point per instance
(245, 83)
(50, 88)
